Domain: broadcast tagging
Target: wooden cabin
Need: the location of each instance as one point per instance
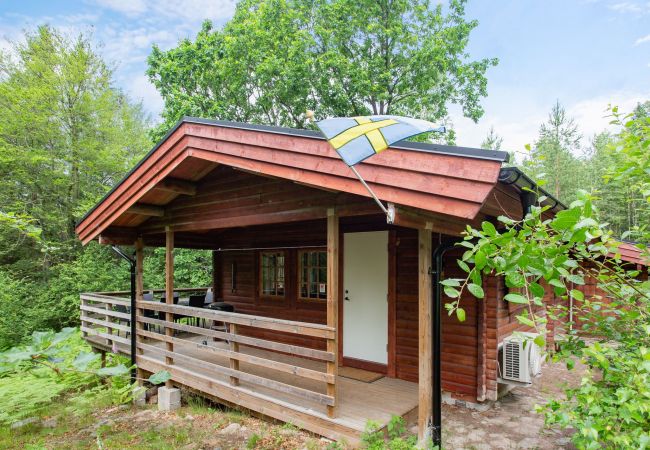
(332, 315)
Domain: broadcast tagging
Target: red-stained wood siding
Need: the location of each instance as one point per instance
(430, 181)
(460, 350)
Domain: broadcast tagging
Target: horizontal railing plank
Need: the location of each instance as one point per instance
(287, 326)
(103, 323)
(106, 299)
(127, 293)
(105, 312)
(244, 376)
(112, 337)
(295, 350)
(244, 357)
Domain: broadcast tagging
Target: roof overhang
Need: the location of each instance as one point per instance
(445, 180)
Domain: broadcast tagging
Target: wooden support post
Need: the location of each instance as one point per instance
(169, 291)
(139, 296)
(425, 370)
(216, 275)
(234, 347)
(84, 324)
(109, 329)
(333, 303)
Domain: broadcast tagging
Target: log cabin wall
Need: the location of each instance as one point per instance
(464, 361)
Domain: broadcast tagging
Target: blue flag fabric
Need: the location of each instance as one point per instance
(358, 138)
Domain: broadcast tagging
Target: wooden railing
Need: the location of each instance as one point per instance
(229, 333)
(107, 317)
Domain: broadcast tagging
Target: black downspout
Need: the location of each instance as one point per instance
(436, 336)
(132, 269)
(133, 350)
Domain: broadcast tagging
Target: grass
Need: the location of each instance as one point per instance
(196, 425)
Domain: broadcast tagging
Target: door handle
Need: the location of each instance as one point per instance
(347, 298)
(346, 295)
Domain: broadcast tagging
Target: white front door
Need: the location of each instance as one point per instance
(365, 296)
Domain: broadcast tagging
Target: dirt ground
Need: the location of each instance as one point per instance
(512, 422)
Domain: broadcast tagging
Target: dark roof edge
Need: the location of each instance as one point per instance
(514, 175)
(466, 152)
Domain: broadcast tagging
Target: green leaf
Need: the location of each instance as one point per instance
(476, 290)
(525, 320)
(576, 279)
(451, 292)
(516, 298)
(463, 265)
(506, 220)
(460, 314)
(82, 360)
(515, 280)
(578, 295)
(565, 220)
(159, 377)
(480, 260)
(489, 229)
(537, 289)
(453, 282)
(540, 341)
(585, 223)
(120, 369)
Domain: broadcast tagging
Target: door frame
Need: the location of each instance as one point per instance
(388, 369)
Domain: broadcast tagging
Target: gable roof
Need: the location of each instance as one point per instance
(453, 181)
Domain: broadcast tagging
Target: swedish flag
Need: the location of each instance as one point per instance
(358, 138)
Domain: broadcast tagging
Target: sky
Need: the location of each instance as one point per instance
(586, 54)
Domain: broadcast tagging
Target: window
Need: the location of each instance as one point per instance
(313, 274)
(272, 276)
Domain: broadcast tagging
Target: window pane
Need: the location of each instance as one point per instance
(272, 273)
(322, 259)
(322, 275)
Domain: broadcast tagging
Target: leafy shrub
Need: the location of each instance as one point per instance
(53, 364)
(611, 407)
(34, 375)
(395, 438)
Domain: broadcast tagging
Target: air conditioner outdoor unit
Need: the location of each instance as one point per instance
(522, 358)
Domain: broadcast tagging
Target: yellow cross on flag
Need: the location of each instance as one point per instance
(358, 138)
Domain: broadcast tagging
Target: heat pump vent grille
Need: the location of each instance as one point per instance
(511, 353)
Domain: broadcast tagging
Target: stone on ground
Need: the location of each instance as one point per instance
(169, 399)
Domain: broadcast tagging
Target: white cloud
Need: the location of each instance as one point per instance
(520, 126)
(642, 40)
(128, 7)
(139, 88)
(591, 115)
(630, 7)
(193, 10)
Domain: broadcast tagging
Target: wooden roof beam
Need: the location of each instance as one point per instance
(177, 186)
(146, 210)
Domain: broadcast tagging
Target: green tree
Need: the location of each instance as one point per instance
(609, 409)
(552, 159)
(630, 171)
(277, 58)
(492, 141)
(66, 136)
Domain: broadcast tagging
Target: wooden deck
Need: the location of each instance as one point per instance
(286, 387)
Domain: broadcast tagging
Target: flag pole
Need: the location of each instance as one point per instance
(389, 211)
